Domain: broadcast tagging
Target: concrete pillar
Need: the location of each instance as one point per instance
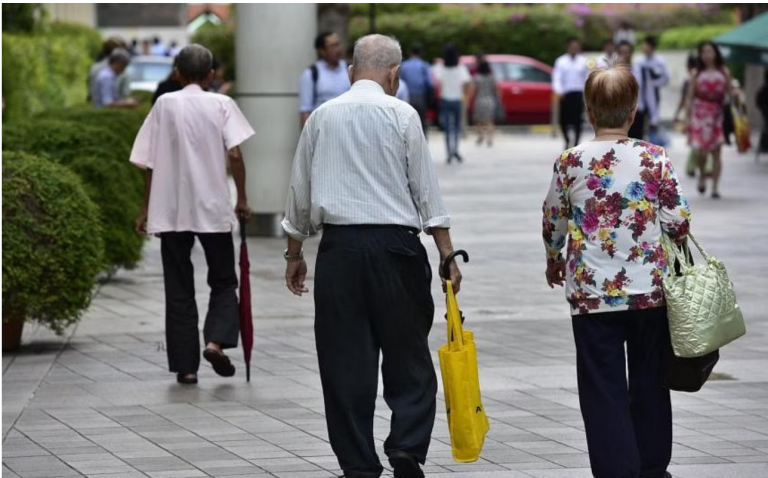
(273, 46)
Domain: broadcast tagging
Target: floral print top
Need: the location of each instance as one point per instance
(612, 200)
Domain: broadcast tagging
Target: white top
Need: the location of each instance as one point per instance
(185, 140)
(330, 84)
(452, 81)
(362, 159)
(655, 75)
(570, 74)
(624, 35)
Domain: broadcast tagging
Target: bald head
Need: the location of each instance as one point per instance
(611, 96)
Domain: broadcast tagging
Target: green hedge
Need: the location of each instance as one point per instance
(361, 9)
(687, 38)
(46, 70)
(52, 244)
(535, 32)
(220, 39)
(99, 155)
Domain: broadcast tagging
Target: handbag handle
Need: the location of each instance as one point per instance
(455, 330)
(242, 219)
(682, 258)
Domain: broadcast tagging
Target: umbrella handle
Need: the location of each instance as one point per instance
(451, 257)
(243, 220)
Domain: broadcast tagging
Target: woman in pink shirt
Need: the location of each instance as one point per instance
(184, 146)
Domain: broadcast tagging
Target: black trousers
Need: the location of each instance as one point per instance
(372, 295)
(637, 130)
(629, 427)
(571, 115)
(181, 320)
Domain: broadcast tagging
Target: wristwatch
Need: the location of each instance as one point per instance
(293, 257)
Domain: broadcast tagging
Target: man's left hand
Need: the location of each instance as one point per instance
(295, 275)
(243, 210)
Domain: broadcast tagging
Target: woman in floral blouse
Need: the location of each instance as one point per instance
(613, 197)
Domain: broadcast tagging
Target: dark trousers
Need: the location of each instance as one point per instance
(451, 117)
(629, 427)
(181, 320)
(419, 103)
(372, 295)
(637, 130)
(571, 115)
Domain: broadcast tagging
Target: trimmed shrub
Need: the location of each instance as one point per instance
(125, 123)
(362, 9)
(47, 70)
(220, 39)
(52, 245)
(488, 29)
(100, 157)
(687, 38)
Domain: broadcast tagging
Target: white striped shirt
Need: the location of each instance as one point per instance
(362, 159)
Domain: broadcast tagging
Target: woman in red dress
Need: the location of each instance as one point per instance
(710, 84)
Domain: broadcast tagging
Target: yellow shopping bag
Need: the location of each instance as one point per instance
(467, 421)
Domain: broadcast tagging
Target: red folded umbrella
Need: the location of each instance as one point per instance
(246, 317)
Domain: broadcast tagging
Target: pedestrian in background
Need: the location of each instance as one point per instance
(710, 84)
(655, 75)
(455, 83)
(372, 279)
(625, 55)
(106, 90)
(609, 54)
(219, 84)
(762, 105)
(174, 50)
(415, 73)
(184, 146)
(158, 48)
(486, 102)
(625, 33)
(613, 197)
(326, 79)
(568, 79)
(170, 84)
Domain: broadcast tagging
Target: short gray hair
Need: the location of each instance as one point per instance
(377, 53)
(194, 62)
(119, 55)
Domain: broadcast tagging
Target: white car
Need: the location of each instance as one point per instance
(146, 72)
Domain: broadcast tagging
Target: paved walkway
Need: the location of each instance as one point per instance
(100, 402)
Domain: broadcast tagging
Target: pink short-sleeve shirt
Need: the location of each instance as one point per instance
(185, 140)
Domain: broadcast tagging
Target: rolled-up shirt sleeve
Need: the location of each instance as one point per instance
(422, 180)
(306, 92)
(143, 152)
(556, 212)
(298, 208)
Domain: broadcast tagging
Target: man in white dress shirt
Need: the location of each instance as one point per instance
(568, 80)
(184, 145)
(363, 173)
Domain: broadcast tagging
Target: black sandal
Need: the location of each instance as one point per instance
(186, 378)
(220, 362)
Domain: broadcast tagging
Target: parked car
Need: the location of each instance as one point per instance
(145, 72)
(525, 87)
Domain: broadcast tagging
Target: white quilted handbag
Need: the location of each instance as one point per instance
(701, 303)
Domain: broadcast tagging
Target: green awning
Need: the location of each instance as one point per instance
(747, 43)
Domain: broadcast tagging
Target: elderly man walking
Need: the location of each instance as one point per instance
(363, 173)
(184, 145)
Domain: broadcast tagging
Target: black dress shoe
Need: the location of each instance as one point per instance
(405, 466)
(186, 378)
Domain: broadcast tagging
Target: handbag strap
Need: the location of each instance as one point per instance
(684, 256)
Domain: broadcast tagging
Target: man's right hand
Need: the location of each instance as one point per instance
(455, 276)
(141, 223)
(295, 275)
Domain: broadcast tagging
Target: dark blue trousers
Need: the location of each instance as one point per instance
(628, 424)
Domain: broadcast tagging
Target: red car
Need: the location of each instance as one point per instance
(525, 86)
